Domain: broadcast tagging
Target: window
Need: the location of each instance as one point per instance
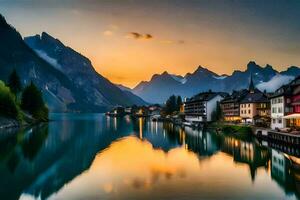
(248, 105)
(249, 111)
(274, 121)
(280, 110)
(279, 121)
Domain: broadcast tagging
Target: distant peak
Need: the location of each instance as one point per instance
(50, 39)
(252, 62)
(46, 35)
(165, 73)
(200, 68)
(269, 66)
(2, 20)
(252, 66)
(204, 70)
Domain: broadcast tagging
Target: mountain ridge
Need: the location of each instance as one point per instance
(97, 89)
(203, 79)
(62, 93)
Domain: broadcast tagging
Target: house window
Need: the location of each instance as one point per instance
(249, 111)
(274, 121)
(280, 110)
(279, 121)
(248, 105)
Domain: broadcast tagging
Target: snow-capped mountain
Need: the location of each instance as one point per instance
(161, 86)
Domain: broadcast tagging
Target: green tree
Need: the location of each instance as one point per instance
(32, 102)
(172, 104)
(14, 83)
(8, 105)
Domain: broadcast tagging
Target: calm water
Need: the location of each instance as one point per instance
(95, 157)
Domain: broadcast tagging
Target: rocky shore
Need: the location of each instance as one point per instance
(7, 123)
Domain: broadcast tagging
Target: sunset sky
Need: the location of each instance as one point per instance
(130, 40)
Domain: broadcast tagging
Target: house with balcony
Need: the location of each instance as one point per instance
(230, 106)
(200, 108)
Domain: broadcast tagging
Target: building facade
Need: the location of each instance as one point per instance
(200, 108)
(255, 106)
(230, 106)
(285, 106)
(281, 106)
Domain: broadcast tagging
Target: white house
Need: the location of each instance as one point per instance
(277, 112)
(200, 107)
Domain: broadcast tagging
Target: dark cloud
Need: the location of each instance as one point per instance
(148, 36)
(136, 35)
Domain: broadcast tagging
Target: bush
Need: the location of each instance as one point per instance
(32, 102)
(8, 105)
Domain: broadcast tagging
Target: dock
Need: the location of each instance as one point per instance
(268, 134)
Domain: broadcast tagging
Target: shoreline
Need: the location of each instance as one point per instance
(8, 123)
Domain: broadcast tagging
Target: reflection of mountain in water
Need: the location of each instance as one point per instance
(42, 165)
(40, 161)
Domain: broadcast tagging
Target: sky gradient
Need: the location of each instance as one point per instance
(130, 40)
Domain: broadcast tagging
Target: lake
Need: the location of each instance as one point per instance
(91, 156)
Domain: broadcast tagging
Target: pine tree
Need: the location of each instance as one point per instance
(32, 102)
(14, 83)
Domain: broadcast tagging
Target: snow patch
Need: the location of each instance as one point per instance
(220, 77)
(276, 82)
(49, 59)
(181, 80)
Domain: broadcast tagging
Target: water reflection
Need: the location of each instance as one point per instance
(98, 157)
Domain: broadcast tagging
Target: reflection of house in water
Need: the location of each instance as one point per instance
(278, 166)
(161, 135)
(284, 172)
(246, 152)
(200, 142)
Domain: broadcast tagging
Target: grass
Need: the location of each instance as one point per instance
(238, 131)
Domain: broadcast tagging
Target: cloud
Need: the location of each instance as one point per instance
(138, 36)
(114, 27)
(148, 36)
(108, 33)
(49, 59)
(276, 82)
(172, 41)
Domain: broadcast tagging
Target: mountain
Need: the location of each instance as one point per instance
(158, 88)
(57, 89)
(97, 91)
(67, 79)
(161, 86)
(134, 98)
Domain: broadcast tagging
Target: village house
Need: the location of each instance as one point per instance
(230, 106)
(291, 103)
(281, 106)
(255, 107)
(201, 107)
